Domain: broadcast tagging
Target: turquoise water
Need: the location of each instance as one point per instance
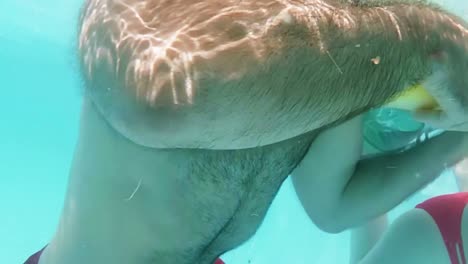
(39, 112)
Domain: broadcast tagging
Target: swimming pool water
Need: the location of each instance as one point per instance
(39, 110)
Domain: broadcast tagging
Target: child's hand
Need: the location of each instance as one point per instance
(461, 174)
(448, 120)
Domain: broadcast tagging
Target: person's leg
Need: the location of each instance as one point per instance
(412, 238)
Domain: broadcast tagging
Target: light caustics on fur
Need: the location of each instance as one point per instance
(159, 52)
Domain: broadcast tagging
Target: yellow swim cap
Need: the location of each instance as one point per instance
(414, 98)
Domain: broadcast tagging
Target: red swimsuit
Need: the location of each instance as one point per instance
(447, 212)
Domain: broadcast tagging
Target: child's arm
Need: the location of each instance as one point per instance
(339, 191)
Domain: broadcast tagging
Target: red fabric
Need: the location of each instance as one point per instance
(34, 259)
(219, 261)
(447, 212)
